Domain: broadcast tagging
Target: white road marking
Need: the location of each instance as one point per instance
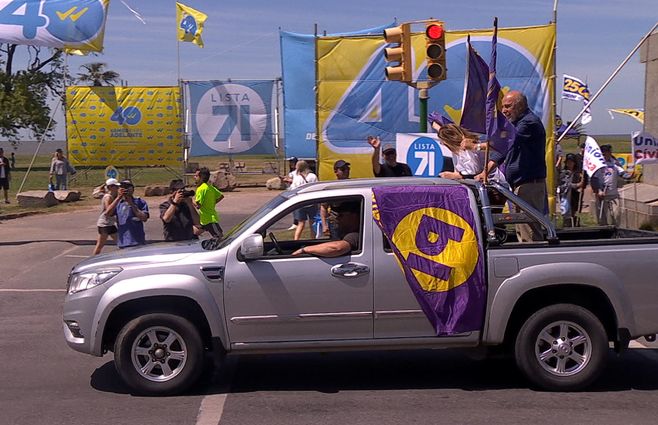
(76, 256)
(32, 290)
(212, 406)
(211, 409)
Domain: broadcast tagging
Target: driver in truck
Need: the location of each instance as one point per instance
(347, 216)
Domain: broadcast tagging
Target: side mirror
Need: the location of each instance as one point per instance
(252, 247)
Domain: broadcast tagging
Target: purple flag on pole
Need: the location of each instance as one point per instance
(500, 132)
(434, 236)
(474, 116)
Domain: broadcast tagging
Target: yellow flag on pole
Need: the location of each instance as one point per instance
(190, 24)
(638, 114)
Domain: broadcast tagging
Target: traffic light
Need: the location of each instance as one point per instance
(401, 53)
(435, 51)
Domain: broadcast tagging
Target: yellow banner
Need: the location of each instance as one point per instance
(638, 114)
(355, 100)
(124, 126)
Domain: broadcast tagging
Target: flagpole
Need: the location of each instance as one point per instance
(614, 74)
(493, 64)
(550, 151)
(178, 58)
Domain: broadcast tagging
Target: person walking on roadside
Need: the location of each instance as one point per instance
(327, 218)
(307, 213)
(5, 174)
(60, 169)
(391, 167)
(131, 213)
(605, 186)
(107, 220)
(205, 200)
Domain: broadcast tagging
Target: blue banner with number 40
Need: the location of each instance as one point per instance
(63, 24)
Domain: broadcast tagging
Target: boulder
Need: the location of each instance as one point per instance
(67, 195)
(275, 183)
(223, 181)
(36, 199)
(98, 192)
(156, 190)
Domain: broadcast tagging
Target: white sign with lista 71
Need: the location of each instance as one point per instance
(423, 153)
(232, 118)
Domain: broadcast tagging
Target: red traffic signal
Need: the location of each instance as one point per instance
(435, 50)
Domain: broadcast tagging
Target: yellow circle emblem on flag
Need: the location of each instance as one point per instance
(439, 247)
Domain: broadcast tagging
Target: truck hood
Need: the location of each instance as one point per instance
(151, 254)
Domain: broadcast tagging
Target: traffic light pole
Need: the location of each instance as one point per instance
(423, 96)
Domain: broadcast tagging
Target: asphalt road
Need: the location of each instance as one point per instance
(44, 382)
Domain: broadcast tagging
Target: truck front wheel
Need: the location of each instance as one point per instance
(159, 354)
(562, 347)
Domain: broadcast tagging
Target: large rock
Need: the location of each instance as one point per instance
(275, 183)
(223, 181)
(156, 190)
(36, 199)
(67, 195)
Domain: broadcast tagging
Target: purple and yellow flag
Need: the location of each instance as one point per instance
(500, 132)
(433, 234)
(474, 116)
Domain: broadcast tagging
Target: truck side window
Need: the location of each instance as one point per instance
(312, 223)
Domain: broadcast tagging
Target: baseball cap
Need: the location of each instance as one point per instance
(388, 149)
(127, 183)
(340, 164)
(292, 158)
(111, 182)
(572, 157)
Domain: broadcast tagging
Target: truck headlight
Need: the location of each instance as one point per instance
(87, 280)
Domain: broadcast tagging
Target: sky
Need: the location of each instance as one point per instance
(242, 40)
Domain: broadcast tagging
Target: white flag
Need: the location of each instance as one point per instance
(593, 158)
(575, 89)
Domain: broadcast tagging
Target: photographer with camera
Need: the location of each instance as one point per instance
(180, 220)
(131, 214)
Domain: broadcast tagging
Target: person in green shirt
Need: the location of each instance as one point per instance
(205, 199)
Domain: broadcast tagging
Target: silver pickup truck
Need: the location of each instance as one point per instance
(555, 305)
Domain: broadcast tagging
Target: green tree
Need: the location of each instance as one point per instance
(96, 75)
(25, 89)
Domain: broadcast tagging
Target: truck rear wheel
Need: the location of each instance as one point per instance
(159, 354)
(562, 347)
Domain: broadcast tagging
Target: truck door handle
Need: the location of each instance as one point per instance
(350, 270)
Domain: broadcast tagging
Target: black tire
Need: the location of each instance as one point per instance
(168, 350)
(574, 345)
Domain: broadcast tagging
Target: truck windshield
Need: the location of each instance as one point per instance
(237, 229)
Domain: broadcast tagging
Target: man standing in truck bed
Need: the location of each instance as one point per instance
(525, 163)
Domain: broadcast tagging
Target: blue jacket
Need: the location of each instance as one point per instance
(525, 160)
